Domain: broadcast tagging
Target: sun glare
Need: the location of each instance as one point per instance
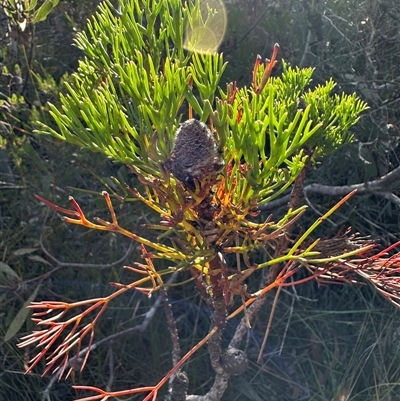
(205, 30)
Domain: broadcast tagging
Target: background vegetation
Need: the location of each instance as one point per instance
(336, 343)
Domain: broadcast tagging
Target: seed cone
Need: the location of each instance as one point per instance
(195, 153)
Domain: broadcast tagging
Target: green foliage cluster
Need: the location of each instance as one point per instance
(354, 43)
(128, 95)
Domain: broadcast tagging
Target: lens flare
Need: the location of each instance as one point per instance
(206, 27)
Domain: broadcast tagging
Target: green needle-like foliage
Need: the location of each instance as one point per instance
(136, 83)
